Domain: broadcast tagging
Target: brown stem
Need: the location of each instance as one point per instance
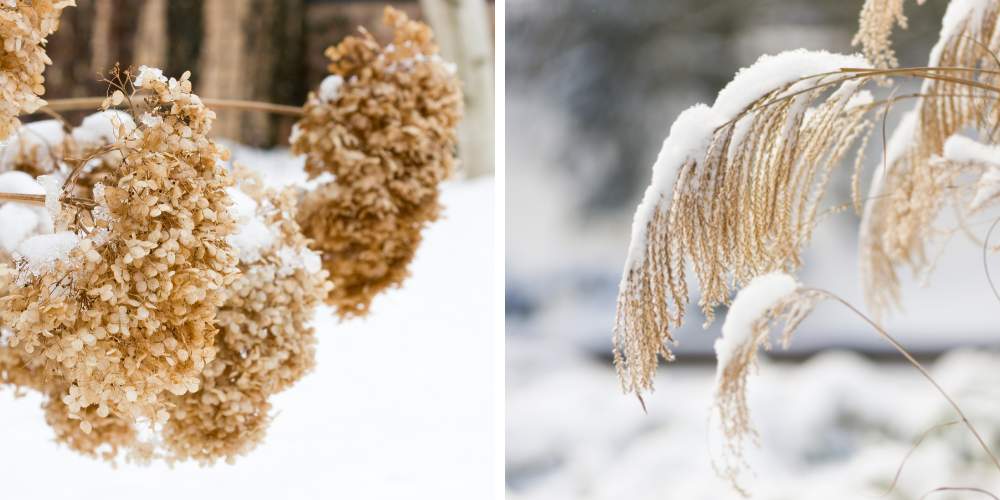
(31, 199)
(83, 103)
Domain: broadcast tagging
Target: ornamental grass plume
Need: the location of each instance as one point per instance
(748, 176)
(766, 300)
(737, 190)
(383, 124)
(911, 188)
(265, 343)
(24, 26)
(877, 19)
(120, 302)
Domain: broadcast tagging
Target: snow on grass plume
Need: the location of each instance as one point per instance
(961, 149)
(721, 183)
(692, 131)
(750, 306)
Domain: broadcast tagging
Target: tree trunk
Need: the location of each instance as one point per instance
(463, 31)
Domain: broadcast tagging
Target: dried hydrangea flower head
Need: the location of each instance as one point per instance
(383, 124)
(121, 300)
(265, 343)
(24, 25)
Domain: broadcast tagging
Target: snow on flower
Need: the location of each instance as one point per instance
(147, 74)
(329, 88)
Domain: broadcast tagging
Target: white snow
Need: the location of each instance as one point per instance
(253, 235)
(957, 13)
(400, 404)
(329, 88)
(35, 138)
(959, 148)
(692, 132)
(147, 73)
(18, 182)
(53, 185)
(40, 253)
(304, 258)
(773, 71)
(750, 304)
(689, 138)
(101, 128)
(835, 426)
(18, 220)
(964, 149)
(860, 98)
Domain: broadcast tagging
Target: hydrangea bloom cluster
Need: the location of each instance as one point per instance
(383, 124)
(24, 26)
(265, 343)
(119, 303)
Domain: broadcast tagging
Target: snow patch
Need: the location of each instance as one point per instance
(147, 74)
(18, 182)
(40, 253)
(329, 88)
(101, 128)
(18, 222)
(36, 139)
(751, 303)
(958, 13)
(253, 235)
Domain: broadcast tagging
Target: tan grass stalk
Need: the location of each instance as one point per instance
(731, 385)
(877, 19)
(899, 224)
(747, 207)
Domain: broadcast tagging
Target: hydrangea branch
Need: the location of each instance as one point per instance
(86, 103)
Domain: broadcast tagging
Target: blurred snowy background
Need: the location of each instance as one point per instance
(592, 88)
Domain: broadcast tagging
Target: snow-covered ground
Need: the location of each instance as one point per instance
(835, 427)
(399, 405)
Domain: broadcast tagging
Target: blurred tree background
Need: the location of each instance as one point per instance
(265, 50)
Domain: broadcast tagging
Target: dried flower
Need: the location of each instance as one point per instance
(265, 343)
(144, 276)
(384, 126)
(24, 25)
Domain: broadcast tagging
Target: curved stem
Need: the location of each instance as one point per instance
(85, 103)
(916, 364)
